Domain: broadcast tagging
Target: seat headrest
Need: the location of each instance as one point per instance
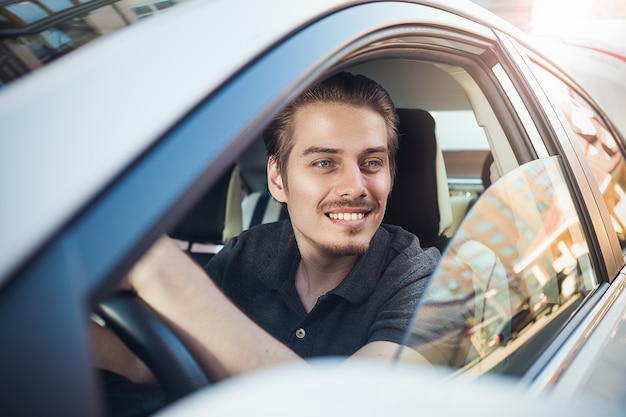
(420, 200)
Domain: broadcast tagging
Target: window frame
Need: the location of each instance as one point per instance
(75, 269)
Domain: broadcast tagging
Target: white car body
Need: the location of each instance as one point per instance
(82, 127)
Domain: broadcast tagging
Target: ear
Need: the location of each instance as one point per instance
(275, 181)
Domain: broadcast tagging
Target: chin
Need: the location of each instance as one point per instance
(347, 249)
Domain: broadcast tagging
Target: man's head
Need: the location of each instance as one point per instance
(346, 88)
(337, 145)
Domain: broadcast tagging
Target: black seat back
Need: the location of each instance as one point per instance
(204, 223)
(414, 202)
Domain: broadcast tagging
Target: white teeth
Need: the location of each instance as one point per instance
(346, 216)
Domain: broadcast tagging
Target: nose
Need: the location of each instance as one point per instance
(351, 182)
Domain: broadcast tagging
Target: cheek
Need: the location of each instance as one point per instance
(307, 189)
(381, 188)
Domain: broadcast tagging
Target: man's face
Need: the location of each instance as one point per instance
(339, 178)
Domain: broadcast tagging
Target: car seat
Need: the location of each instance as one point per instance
(214, 218)
(260, 207)
(420, 198)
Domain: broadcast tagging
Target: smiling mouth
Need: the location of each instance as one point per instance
(346, 216)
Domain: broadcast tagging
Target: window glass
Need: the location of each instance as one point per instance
(512, 275)
(458, 130)
(145, 8)
(37, 32)
(598, 145)
(160, 5)
(464, 147)
(56, 5)
(28, 12)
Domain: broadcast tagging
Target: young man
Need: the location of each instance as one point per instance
(330, 281)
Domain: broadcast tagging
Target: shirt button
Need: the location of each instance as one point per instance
(300, 333)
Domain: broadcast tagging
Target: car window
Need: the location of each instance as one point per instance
(465, 147)
(513, 273)
(466, 155)
(36, 32)
(599, 146)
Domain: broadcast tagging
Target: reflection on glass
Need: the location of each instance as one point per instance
(28, 12)
(606, 161)
(599, 147)
(57, 5)
(163, 4)
(37, 32)
(515, 270)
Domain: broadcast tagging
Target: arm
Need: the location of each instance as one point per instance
(389, 351)
(224, 340)
(220, 336)
(113, 355)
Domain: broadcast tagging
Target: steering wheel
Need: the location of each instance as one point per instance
(138, 326)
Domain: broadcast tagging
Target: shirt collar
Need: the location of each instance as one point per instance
(361, 281)
(281, 270)
(356, 287)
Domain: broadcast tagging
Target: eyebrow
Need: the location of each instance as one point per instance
(319, 149)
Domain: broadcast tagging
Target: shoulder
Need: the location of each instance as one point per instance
(254, 247)
(261, 234)
(404, 250)
(402, 241)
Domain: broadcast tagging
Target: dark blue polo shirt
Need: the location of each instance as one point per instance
(374, 302)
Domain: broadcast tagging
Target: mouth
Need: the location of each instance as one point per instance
(350, 213)
(347, 216)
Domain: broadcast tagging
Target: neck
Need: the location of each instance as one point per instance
(316, 277)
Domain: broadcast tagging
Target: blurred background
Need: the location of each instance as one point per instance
(554, 15)
(588, 37)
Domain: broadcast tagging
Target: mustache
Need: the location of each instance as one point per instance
(347, 203)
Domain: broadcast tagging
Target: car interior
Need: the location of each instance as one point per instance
(450, 178)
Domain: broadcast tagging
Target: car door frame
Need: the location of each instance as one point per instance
(53, 293)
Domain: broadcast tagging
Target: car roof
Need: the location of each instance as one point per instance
(60, 147)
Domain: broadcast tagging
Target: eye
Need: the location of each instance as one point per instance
(323, 164)
(373, 164)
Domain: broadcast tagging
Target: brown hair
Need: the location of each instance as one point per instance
(346, 88)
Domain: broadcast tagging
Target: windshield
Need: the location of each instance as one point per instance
(513, 273)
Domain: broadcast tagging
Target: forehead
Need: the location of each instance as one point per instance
(338, 125)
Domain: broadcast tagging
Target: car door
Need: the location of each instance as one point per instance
(591, 352)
